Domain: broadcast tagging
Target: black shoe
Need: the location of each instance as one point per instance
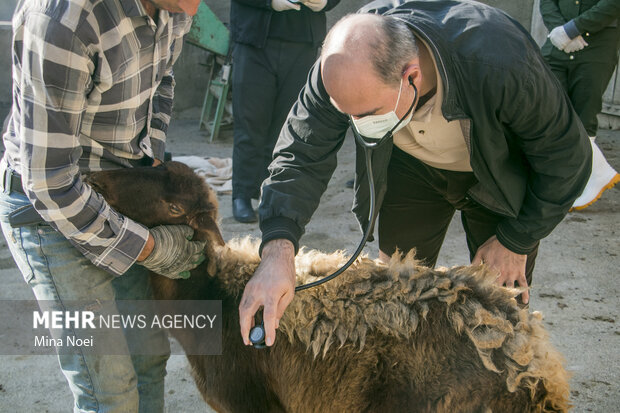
(242, 210)
(349, 183)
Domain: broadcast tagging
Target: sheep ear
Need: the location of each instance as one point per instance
(205, 223)
(215, 233)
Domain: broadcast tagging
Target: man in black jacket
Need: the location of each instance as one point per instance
(275, 44)
(471, 119)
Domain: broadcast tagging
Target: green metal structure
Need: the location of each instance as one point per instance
(209, 33)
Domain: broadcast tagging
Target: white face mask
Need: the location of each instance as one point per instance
(376, 126)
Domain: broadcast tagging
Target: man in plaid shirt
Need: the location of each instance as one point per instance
(92, 90)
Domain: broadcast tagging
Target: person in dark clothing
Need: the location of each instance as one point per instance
(582, 50)
(274, 47)
(472, 119)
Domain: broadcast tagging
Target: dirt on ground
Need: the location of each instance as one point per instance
(575, 287)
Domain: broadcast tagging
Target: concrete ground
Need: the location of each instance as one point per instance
(575, 287)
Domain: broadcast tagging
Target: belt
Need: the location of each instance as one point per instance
(25, 215)
(12, 182)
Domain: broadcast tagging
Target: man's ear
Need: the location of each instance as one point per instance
(413, 71)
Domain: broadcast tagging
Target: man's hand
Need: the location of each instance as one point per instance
(559, 38)
(315, 5)
(575, 45)
(272, 287)
(509, 265)
(172, 253)
(283, 5)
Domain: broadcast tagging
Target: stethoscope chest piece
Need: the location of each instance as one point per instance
(257, 336)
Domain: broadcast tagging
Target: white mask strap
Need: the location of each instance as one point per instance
(400, 90)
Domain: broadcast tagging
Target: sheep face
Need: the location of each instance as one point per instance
(170, 193)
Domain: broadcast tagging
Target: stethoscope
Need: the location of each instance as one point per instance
(257, 333)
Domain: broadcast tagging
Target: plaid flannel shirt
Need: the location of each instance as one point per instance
(92, 90)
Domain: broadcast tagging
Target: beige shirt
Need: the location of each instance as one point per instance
(433, 140)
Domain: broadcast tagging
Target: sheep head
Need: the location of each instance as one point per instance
(170, 193)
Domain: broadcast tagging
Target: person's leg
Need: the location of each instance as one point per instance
(587, 82)
(559, 69)
(60, 278)
(414, 213)
(602, 177)
(58, 274)
(254, 91)
(135, 285)
(293, 62)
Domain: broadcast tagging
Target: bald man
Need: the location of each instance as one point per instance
(470, 118)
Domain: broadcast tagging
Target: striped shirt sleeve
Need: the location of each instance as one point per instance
(164, 95)
(55, 79)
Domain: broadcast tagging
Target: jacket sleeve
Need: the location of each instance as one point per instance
(598, 16)
(304, 161)
(556, 152)
(259, 4)
(551, 15)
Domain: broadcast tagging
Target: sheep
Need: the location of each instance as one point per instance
(379, 338)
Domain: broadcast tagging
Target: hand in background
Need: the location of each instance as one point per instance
(559, 38)
(315, 5)
(283, 5)
(575, 45)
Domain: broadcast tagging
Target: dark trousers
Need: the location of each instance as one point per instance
(584, 82)
(418, 207)
(265, 84)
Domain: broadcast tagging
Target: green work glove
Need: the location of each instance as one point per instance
(174, 254)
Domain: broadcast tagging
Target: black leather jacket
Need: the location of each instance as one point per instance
(249, 21)
(528, 149)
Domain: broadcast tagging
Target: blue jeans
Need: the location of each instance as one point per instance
(57, 273)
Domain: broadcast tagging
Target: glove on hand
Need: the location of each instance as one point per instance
(559, 37)
(174, 254)
(283, 5)
(315, 5)
(575, 45)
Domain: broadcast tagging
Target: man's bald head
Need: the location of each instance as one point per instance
(359, 40)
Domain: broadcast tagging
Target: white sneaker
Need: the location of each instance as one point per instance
(602, 177)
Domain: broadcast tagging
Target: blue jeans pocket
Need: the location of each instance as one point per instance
(15, 237)
(14, 241)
